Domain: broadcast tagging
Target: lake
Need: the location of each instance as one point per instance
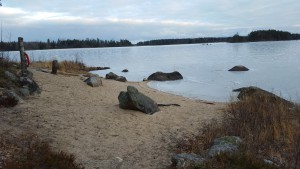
(274, 66)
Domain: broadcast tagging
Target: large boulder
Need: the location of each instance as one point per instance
(227, 144)
(185, 160)
(161, 76)
(239, 68)
(94, 81)
(258, 93)
(134, 100)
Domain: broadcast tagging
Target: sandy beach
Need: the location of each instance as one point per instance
(88, 122)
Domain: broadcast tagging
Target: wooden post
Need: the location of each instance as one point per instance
(55, 66)
(22, 57)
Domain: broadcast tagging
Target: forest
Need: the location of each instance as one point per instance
(63, 44)
(254, 36)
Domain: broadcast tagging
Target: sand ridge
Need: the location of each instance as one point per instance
(88, 122)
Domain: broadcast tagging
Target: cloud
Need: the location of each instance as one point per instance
(135, 19)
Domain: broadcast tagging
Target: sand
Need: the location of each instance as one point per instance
(88, 123)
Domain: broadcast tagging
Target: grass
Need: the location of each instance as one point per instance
(64, 66)
(270, 129)
(28, 152)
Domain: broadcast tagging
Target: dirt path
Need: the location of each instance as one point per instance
(87, 122)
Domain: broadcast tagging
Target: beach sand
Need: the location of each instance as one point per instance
(88, 122)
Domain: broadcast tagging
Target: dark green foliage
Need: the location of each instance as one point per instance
(269, 35)
(69, 43)
(183, 41)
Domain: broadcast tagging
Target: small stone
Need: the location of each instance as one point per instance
(187, 160)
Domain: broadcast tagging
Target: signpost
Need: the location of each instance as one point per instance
(22, 57)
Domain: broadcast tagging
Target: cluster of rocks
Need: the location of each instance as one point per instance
(114, 76)
(24, 86)
(227, 144)
(134, 100)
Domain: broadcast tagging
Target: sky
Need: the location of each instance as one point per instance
(140, 20)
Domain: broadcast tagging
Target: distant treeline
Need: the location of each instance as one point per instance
(62, 44)
(260, 35)
(265, 35)
(183, 41)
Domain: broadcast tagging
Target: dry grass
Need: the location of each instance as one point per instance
(64, 66)
(28, 152)
(270, 129)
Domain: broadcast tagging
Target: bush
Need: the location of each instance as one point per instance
(269, 129)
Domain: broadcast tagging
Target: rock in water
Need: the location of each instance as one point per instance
(125, 70)
(239, 68)
(94, 81)
(134, 100)
(161, 76)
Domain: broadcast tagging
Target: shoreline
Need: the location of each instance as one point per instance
(87, 122)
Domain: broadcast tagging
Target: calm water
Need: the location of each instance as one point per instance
(274, 66)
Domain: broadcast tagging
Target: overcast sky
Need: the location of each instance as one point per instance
(138, 20)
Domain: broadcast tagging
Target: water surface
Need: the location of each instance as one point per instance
(274, 66)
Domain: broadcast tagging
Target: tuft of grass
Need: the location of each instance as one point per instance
(269, 128)
(27, 151)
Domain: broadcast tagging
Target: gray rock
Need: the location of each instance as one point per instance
(9, 98)
(134, 100)
(24, 91)
(187, 160)
(111, 75)
(94, 81)
(11, 76)
(30, 84)
(239, 68)
(160, 76)
(121, 79)
(225, 144)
